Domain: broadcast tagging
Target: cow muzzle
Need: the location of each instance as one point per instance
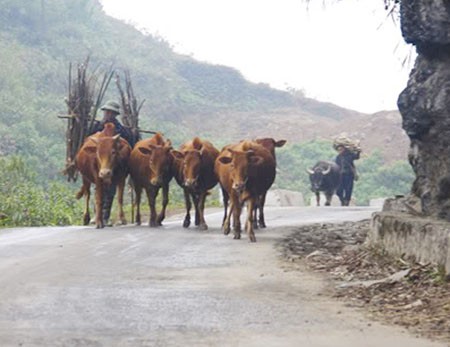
(105, 174)
(190, 182)
(239, 186)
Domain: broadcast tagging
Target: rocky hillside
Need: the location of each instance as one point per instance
(380, 131)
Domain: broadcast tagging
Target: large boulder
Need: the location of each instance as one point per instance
(425, 102)
(425, 23)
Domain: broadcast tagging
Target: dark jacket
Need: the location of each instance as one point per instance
(120, 129)
(345, 161)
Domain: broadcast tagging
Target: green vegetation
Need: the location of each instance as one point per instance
(25, 202)
(381, 180)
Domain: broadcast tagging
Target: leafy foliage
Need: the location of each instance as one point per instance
(379, 180)
(24, 202)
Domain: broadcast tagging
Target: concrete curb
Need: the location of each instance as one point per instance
(425, 239)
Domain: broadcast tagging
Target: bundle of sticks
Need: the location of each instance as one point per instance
(130, 106)
(85, 94)
(351, 144)
(86, 90)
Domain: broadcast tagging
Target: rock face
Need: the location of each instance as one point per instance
(425, 103)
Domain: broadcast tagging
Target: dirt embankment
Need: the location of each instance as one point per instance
(395, 290)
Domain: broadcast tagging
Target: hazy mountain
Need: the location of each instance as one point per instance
(184, 97)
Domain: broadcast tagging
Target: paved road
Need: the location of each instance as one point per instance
(135, 286)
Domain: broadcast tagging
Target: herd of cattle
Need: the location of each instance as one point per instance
(245, 172)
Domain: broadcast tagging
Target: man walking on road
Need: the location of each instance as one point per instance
(345, 160)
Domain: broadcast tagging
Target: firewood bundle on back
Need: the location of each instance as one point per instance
(351, 144)
(130, 106)
(85, 93)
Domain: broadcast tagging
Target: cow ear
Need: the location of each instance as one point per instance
(280, 143)
(197, 144)
(145, 150)
(255, 160)
(177, 154)
(225, 160)
(90, 149)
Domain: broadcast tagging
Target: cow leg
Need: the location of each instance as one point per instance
(318, 198)
(237, 218)
(227, 218)
(152, 193)
(187, 202)
(120, 190)
(138, 190)
(201, 211)
(254, 217)
(225, 199)
(86, 191)
(165, 202)
(87, 215)
(98, 206)
(262, 202)
(196, 199)
(237, 209)
(249, 223)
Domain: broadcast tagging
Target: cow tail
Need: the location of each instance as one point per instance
(81, 193)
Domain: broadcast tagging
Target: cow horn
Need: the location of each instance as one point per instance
(116, 137)
(327, 171)
(310, 171)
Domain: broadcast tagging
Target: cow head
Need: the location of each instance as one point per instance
(192, 161)
(270, 144)
(240, 162)
(107, 151)
(159, 160)
(316, 176)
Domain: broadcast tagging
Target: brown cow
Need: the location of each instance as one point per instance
(103, 160)
(270, 144)
(245, 174)
(151, 169)
(194, 172)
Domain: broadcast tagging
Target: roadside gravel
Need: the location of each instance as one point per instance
(394, 290)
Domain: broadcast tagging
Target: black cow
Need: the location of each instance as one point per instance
(325, 177)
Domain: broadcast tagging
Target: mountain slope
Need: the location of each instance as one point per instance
(184, 97)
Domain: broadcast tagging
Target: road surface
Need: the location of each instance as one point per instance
(136, 286)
